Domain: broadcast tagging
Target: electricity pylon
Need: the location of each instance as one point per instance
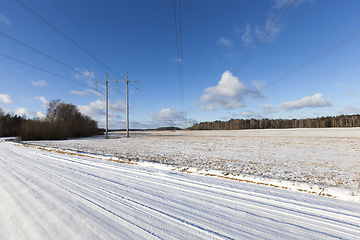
(127, 102)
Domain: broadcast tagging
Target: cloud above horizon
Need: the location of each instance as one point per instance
(97, 108)
(167, 116)
(86, 92)
(84, 74)
(5, 98)
(225, 42)
(310, 101)
(25, 112)
(39, 83)
(5, 20)
(229, 93)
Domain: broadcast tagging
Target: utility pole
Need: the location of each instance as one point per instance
(127, 102)
(107, 106)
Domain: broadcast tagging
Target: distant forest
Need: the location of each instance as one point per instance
(238, 124)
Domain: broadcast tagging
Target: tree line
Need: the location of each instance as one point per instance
(62, 121)
(239, 124)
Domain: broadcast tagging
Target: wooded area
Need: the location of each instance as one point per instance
(238, 124)
(63, 121)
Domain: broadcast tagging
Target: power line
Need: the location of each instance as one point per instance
(63, 34)
(28, 64)
(252, 49)
(132, 102)
(88, 35)
(179, 55)
(197, 49)
(41, 31)
(329, 50)
(262, 19)
(144, 97)
(43, 54)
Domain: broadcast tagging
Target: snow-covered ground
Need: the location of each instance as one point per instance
(319, 161)
(49, 195)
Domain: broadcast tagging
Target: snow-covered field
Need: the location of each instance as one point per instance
(49, 195)
(318, 161)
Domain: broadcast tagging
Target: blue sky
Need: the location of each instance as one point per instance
(61, 48)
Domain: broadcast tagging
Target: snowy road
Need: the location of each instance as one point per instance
(45, 195)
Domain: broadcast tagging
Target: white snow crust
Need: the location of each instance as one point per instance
(51, 195)
(319, 161)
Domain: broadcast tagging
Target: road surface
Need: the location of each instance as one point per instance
(46, 195)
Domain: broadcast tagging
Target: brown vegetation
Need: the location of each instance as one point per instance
(63, 121)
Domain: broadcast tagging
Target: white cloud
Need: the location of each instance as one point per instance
(226, 42)
(259, 84)
(27, 113)
(275, 31)
(5, 20)
(208, 107)
(248, 33)
(39, 83)
(229, 93)
(251, 114)
(87, 92)
(267, 108)
(80, 93)
(179, 60)
(42, 99)
(84, 73)
(279, 3)
(352, 94)
(246, 36)
(231, 55)
(5, 98)
(339, 84)
(24, 112)
(167, 117)
(168, 114)
(310, 101)
(40, 115)
(97, 108)
(349, 109)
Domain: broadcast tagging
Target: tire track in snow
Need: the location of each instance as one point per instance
(277, 212)
(275, 202)
(61, 166)
(290, 215)
(80, 196)
(137, 204)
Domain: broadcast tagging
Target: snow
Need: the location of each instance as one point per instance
(318, 161)
(50, 195)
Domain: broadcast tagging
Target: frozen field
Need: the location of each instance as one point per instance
(319, 161)
(49, 195)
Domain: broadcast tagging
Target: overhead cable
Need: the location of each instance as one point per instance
(179, 53)
(88, 36)
(43, 54)
(28, 64)
(63, 34)
(254, 47)
(329, 50)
